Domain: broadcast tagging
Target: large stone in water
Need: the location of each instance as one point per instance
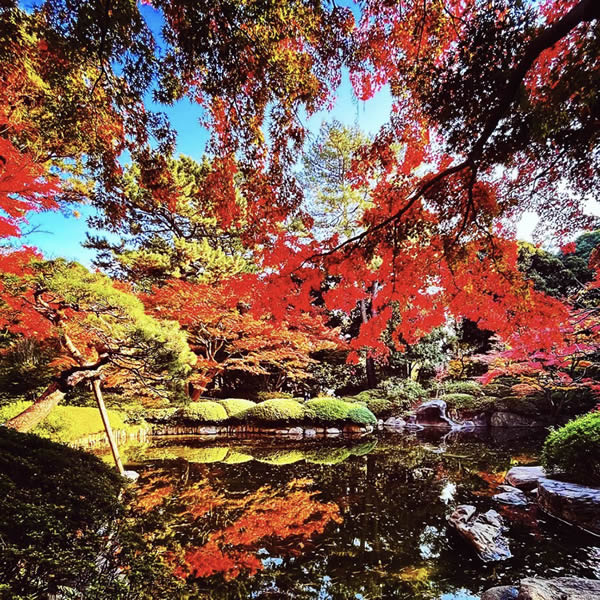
(559, 588)
(483, 531)
(511, 495)
(394, 423)
(433, 414)
(503, 592)
(576, 504)
(525, 478)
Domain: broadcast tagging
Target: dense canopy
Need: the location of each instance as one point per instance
(494, 113)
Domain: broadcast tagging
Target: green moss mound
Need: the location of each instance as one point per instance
(467, 402)
(382, 408)
(327, 410)
(464, 387)
(575, 449)
(202, 412)
(69, 423)
(361, 415)
(274, 411)
(391, 398)
(235, 406)
(161, 415)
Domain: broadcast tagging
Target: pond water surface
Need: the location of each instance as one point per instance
(363, 519)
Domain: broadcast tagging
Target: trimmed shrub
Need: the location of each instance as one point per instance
(274, 411)
(497, 389)
(327, 410)
(202, 412)
(574, 449)
(361, 415)
(464, 387)
(368, 396)
(69, 423)
(337, 410)
(262, 396)
(161, 415)
(234, 406)
(467, 402)
(380, 406)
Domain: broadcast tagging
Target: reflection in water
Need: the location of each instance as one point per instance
(257, 520)
(207, 532)
(448, 491)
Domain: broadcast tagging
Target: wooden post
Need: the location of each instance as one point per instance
(107, 427)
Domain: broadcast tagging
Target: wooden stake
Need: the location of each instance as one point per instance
(107, 427)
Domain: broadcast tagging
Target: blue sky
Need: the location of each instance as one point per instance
(61, 234)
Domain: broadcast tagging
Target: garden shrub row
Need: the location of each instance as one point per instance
(283, 411)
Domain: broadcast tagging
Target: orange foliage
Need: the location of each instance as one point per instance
(286, 518)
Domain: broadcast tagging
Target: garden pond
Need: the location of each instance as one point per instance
(365, 519)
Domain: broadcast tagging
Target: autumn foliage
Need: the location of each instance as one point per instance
(233, 528)
(494, 113)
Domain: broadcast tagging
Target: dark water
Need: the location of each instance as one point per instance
(253, 519)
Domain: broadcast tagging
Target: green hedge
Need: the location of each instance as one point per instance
(274, 411)
(575, 449)
(234, 406)
(202, 412)
(337, 410)
(391, 398)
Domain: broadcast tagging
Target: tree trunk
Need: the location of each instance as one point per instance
(54, 393)
(194, 392)
(109, 434)
(370, 363)
(39, 410)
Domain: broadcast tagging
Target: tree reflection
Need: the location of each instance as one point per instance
(206, 532)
